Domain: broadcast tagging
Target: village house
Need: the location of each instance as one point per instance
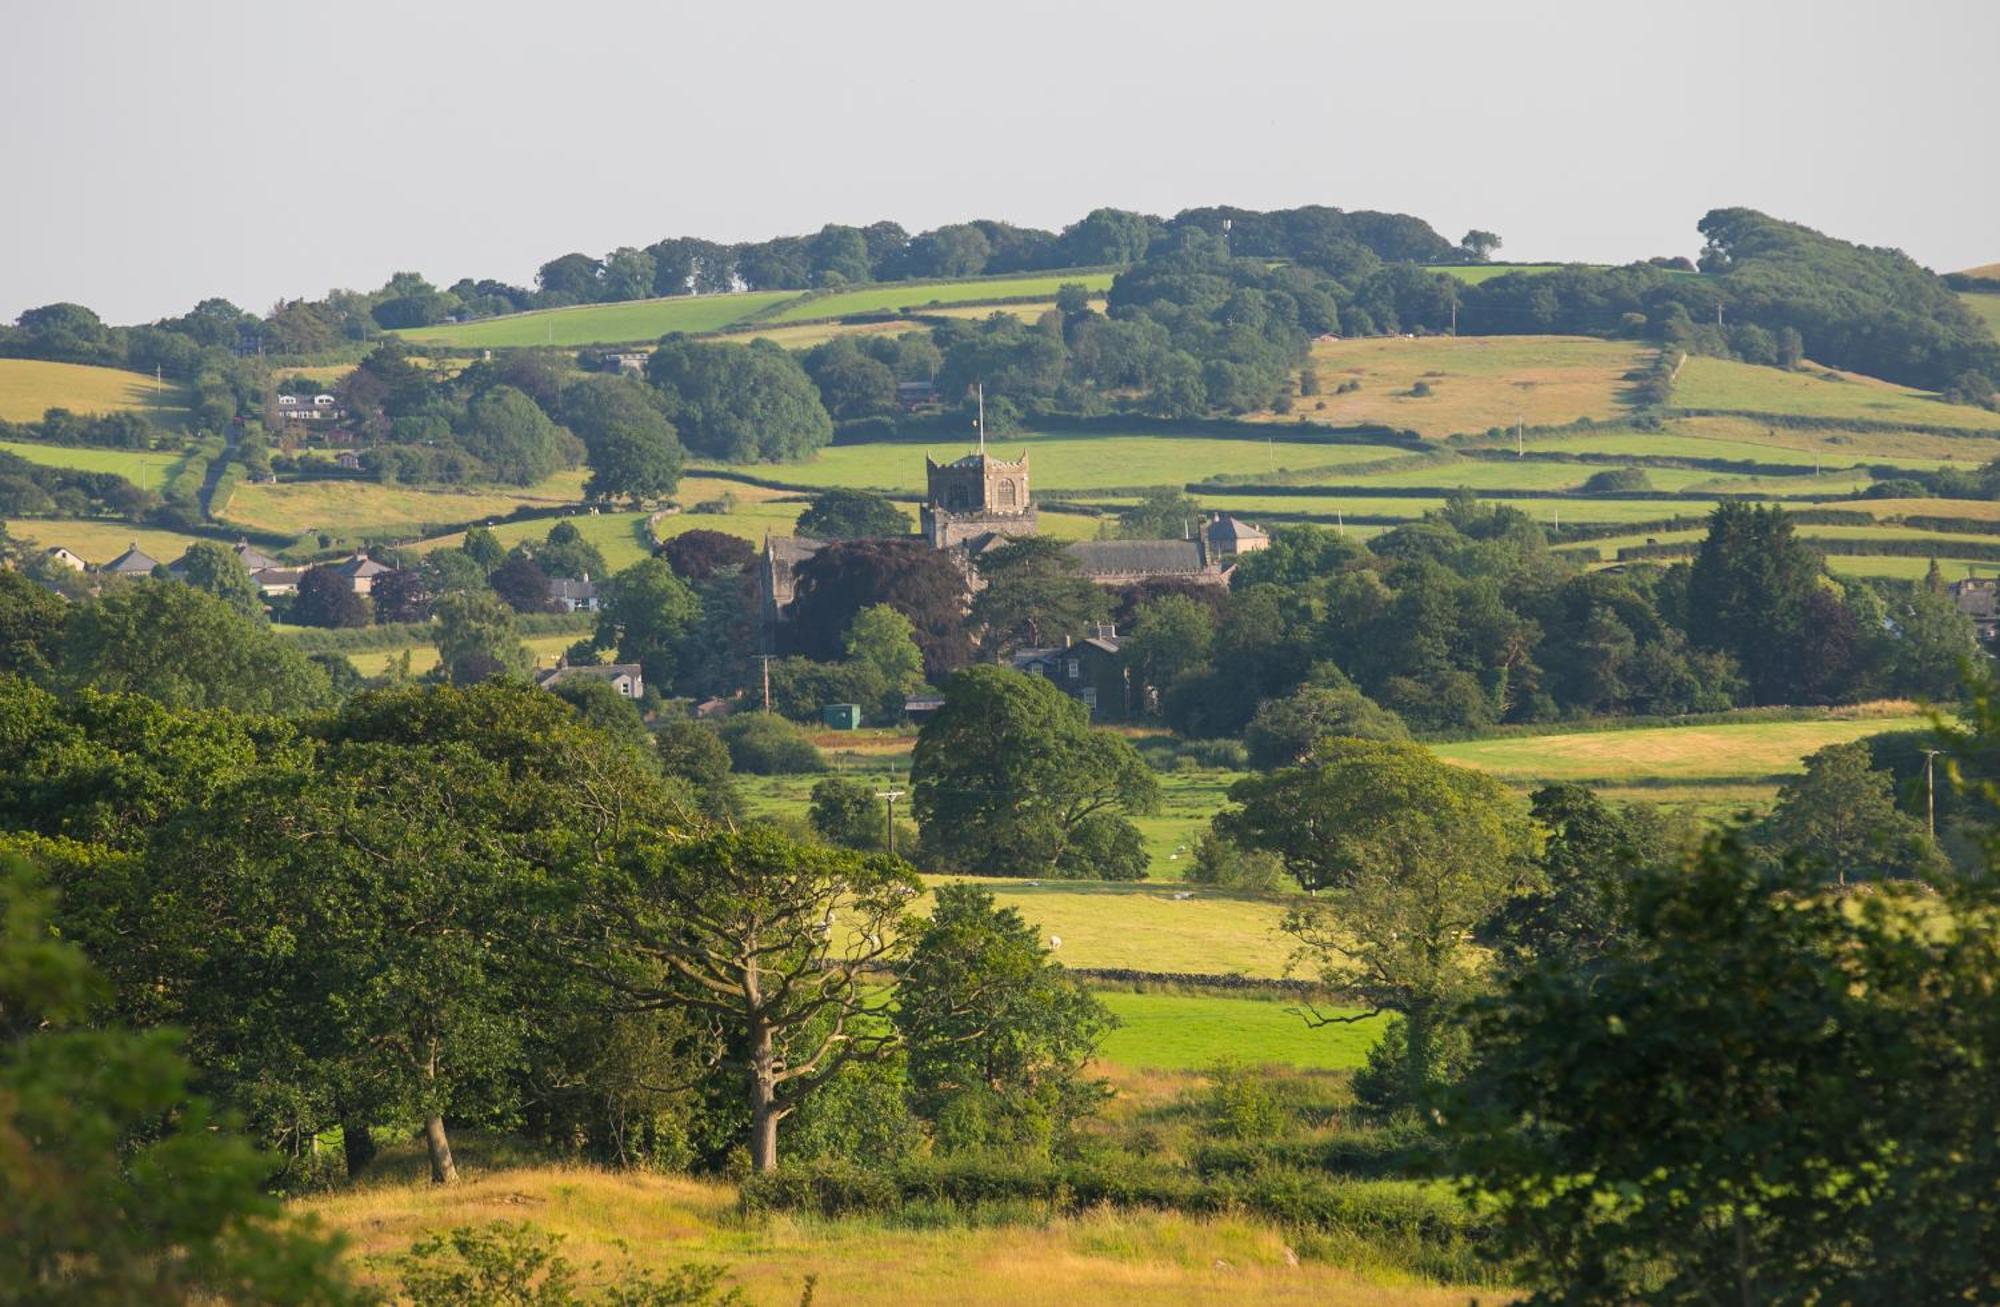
(1089, 671)
(626, 678)
(133, 562)
(573, 596)
(1978, 597)
(310, 408)
(359, 571)
(64, 558)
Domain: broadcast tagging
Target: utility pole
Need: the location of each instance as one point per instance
(1930, 793)
(766, 660)
(1521, 436)
(890, 796)
(1454, 313)
(1718, 313)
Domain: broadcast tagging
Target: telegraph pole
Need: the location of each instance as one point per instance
(890, 825)
(1930, 793)
(766, 660)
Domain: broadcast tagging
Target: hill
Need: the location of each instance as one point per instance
(1985, 272)
(1725, 385)
(30, 387)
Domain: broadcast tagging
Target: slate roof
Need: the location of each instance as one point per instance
(1142, 557)
(131, 563)
(594, 671)
(563, 587)
(359, 565)
(1231, 528)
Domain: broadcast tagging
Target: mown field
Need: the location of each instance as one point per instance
(1476, 382)
(30, 387)
(601, 324)
(624, 1221)
(1191, 1031)
(145, 468)
(356, 510)
(895, 296)
(1472, 274)
(1743, 387)
(1987, 306)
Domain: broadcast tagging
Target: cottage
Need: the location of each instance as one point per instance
(130, 563)
(278, 580)
(1978, 597)
(359, 571)
(253, 560)
(1089, 671)
(626, 678)
(573, 596)
(64, 558)
(347, 460)
(310, 408)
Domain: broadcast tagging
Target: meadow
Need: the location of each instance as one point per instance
(1743, 387)
(546, 649)
(1059, 462)
(1476, 382)
(30, 387)
(600, 324)
(631, 1220)
(145, 468)
(353, 511)
(910, 297)
(97, 541)
(1987, 305)
(1191, 1031)
(1472, 274)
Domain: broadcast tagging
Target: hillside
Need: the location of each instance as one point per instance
(30, 387)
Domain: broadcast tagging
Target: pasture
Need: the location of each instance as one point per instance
(901, 297)
(1191, 1031)
(97, 541)
(30, 387)
(1986, 305)
(379, 662)
(1747, 438)
(620, 537)
(145, 468)
(1476, 382)
(1324, 508)
(621, 1221)
(1473, 274)
(1143, 926)
(351, 511)
(1744, 387)
(1067, 463)
(600, 324)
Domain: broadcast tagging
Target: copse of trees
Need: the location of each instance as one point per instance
(745, 403)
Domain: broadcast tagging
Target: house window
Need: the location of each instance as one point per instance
(1075, 669)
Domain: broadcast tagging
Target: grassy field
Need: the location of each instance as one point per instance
(904, 297)
(808, 334)
(352, 510)
(143, 468)
(30, 387)
(1059, 463)
(423, 657)
(1754, 440)
(98, 541)
(621, 1221)
(1724, 384)
(1987, 306)
(1183, 1031)
(1742, 757)
(1324, 507)
(1477, 382)
(618, 536)
(1472, 274)
(601, 324)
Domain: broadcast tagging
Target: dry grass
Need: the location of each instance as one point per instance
(30, 387)
(617, 1221)
(1477, 382)
(354, 509)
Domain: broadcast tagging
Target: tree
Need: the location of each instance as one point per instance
(1035, 595)
(484, 548)
(118, 1185)
(1749, 596)
(509, 433)
(571, 279)
(1935, 644)
(882, 640)
(1170, 638)
(1006, 774)
(1683, 1123)
(644, 612)
(923, 584)
(215, 569)
(1288, 731)
(698, 554)
(1478, 246)
(187, 650)
(1163, 513)
(521, 582)
(477, 638)
(31, 623)
(763, 744)
(327, 599)
(744, 403)
(838, 514)
(996, 1035)
(692, 752)
(851, 384)
(403, 594)
(848, 814)
(1841, 818)
(776, 940)
(565, 551)
(1407, 855)
(634, 452)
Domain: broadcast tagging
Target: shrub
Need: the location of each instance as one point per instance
(1382, 1085)
(1239, 1105)
(1616, 479)
(1223, 864)
(766, 745)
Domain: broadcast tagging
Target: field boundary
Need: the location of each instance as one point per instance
(1866, 426)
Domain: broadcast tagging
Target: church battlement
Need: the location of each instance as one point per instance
(976, 495)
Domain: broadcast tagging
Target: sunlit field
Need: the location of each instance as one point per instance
(1724, 384)
(30, 387)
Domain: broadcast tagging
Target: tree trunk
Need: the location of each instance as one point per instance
(442, 1169)
(357, 1145)
(1418, 1031)
(763, 1100)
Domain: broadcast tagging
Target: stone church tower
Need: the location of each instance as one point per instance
(976, 496)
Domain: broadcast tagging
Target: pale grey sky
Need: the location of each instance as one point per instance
(157, 153)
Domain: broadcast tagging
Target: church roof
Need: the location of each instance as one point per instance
(1138, 557)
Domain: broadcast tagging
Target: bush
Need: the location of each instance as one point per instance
(1382, 1085)
(1104, 846)
(1613, 480)
(1240, 1106)
(766, 745)
(1222, 864)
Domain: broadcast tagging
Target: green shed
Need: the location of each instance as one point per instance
(841, 716)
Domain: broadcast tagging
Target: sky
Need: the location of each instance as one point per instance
(159, 154)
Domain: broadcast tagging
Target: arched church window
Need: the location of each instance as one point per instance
(1007, 494)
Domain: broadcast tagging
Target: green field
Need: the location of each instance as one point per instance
(96, 541)
(146, 469)
(1060, 463)
(356, 510)
(30, 387)
(1143, 927)
(1187, 1032)
(1324, 507)
(1987, 306)
(907, 296)
(1744, 387)
(600, 324)
(377, 662)
(1472, 274)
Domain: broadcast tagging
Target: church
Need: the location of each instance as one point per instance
(976, 502)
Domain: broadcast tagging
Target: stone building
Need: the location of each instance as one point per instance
(975, 497)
